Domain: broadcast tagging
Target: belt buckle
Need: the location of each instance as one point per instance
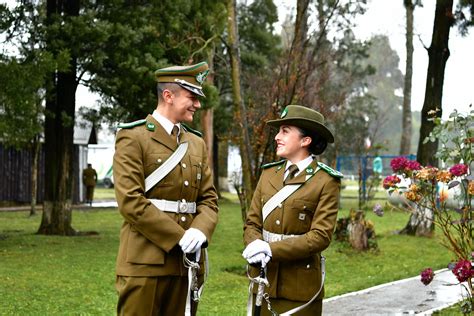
(182, 206)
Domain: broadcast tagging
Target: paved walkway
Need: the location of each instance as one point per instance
(403, 297)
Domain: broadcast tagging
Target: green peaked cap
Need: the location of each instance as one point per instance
(188, 77)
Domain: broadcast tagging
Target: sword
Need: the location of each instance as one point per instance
(262, 282)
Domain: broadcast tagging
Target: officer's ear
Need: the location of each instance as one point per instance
(306, 141)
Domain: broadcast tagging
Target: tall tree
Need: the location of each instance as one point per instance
(240, 109)
(405, 142)
(438, 54)
(59, 126)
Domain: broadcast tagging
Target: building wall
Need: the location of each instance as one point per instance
(15, 175)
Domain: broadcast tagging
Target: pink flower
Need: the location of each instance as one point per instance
(427, 276)
(398, 164)
(463, 270)
(459, 169)
(413, 165)
(390, 182)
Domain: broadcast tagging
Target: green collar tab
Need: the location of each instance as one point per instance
(150, 126)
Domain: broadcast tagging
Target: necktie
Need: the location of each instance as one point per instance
(292, 170)
(174, 133)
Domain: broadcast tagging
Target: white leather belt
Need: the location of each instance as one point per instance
(175, 206)
(272, 237)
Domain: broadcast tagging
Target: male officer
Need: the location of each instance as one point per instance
(89, 178)
(165, 193)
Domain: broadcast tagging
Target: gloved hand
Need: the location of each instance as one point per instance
(192, 240)
(261, 258)
(255, 247)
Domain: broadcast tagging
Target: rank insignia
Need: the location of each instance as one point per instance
(200, 77)
(150, 126)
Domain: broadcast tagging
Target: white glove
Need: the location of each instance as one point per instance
(256, 247)
(261, 258)
(192, 240)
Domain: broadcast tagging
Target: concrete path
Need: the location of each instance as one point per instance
(403, 297)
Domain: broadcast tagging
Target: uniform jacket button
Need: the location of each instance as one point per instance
(277, 222)
(186, 183)
(183, 165)
(183, 218)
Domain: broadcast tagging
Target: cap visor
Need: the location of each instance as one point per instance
(193, 90)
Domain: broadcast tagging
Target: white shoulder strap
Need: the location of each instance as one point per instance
(166, 167)
(279, 197)
(282, 195)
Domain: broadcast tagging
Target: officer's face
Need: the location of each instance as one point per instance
(185, 103)
(291, 144)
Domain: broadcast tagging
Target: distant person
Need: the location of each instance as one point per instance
(165, 193)
(89, 178)
(293, 214)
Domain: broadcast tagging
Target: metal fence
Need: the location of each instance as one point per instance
(363, 167)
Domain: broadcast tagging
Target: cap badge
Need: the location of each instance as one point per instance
(200, 77)
(150, 126)
(284, 113)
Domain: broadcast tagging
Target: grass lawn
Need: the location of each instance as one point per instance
(48, 275)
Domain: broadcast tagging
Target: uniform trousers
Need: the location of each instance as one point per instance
(152, 296)
(90, 193)
(283, 305)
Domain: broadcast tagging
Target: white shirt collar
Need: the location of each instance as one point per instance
(302, 164)
(166, 123)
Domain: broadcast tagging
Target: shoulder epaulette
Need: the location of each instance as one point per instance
(330, 170)
(271, 164)
(132, 124)
(189, 129)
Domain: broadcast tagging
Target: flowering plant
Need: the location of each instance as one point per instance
(445, 194)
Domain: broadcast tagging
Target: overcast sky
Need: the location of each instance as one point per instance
(388, 17)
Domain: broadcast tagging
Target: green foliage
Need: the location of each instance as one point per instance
(455, 136)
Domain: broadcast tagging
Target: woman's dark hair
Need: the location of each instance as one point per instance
(318, 144)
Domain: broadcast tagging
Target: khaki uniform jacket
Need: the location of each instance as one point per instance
(149, 237)
(294, 273)
(89, 177)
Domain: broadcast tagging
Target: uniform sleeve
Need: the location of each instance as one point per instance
(319, 236)
(253, 223)
(206, 203)
(129, 184)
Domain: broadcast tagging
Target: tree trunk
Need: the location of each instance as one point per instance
(297, 51)
(240, 111)
(405, 142)
(207, 120)
(59, 136)
(438, 54)
(420, 223)
(34, 174)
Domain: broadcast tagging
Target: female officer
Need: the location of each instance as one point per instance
(286, 232)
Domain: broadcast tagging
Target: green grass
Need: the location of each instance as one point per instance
(101, 193)
(48, 275)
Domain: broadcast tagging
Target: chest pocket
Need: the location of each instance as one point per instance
(153, 162)
(303, 214)
(196, 171)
